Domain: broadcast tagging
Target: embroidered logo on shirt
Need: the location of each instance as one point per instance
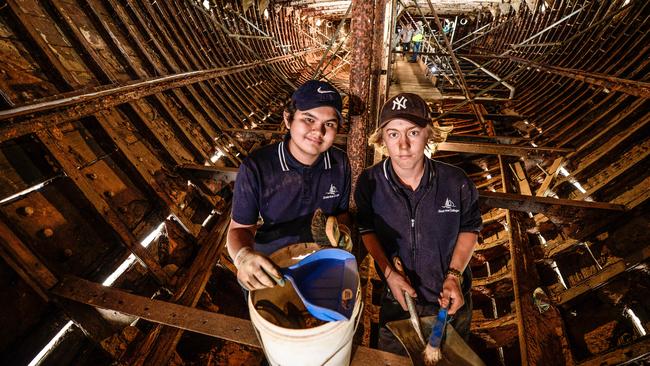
(449, 206)
(331, 193)
(399, 103)
(320, 91)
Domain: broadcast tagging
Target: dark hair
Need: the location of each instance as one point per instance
(291, 109)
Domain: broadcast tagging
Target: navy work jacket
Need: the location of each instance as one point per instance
(423, 236)
(273, 185)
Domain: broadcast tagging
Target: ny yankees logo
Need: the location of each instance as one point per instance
(399, 103)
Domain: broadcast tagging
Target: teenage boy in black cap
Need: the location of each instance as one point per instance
(284, 183)
(424, 211)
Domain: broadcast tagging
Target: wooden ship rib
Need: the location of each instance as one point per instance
(123, 122)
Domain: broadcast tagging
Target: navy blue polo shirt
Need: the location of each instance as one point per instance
(421, 227)
(273, 185)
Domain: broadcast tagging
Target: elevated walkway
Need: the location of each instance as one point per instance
(410, 78)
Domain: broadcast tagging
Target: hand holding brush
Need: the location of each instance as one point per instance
(432, 353)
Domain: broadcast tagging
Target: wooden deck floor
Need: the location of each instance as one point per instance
(409, 78)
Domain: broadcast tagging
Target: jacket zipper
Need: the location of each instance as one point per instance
(413, 240)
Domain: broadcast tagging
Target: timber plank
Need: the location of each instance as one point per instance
(603, 276)
(25, 262)
(620, 355)
(544, 205)
(498, 149)
(216, 325)
(102, 207)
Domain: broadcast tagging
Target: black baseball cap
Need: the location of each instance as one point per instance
(316, 93)
(408, 106)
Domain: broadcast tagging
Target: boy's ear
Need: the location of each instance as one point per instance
(285, 117)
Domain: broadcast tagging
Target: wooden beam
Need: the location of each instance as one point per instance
(520, 175)
(48, 114)
(553, 248)
(488, 116)
(542, 336)
(208, 168)
(603, 276)
(160, 343)
(631, 87)
(635, 195)
(199, 321)
(505, 140)
(25, 262)
(101, 207)
(41, 280)
(493, 216)
(551, 174)
(543, 205)
(624, 163)
(339, 139)
(500, 332)
(498, 149)
(621, 354)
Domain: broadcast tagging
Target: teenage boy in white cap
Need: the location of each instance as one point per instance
(286, 182)
(424, 211)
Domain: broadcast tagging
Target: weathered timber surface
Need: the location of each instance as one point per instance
(498, 149)
(542, 336)
(360, 68)
(603, 276)
(188, 318)
(571, 210)
(161, 342)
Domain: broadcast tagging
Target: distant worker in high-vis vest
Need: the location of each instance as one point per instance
(418, 35)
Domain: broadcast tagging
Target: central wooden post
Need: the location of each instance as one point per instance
(360, 78)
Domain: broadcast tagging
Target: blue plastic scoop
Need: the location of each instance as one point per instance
(327, 282)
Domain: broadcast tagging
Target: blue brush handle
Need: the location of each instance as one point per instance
(438, 329)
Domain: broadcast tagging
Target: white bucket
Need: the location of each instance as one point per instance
(326, 344)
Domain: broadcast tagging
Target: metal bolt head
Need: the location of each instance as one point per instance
(92, 176)
(27, 211)
(47, 232)
(67, 252)
(109, 194)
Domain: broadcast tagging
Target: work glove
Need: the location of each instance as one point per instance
(326, 231)
(255, 271)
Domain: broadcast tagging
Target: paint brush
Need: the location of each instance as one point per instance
(432, 353)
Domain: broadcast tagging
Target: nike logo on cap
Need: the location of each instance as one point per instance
(324, 91)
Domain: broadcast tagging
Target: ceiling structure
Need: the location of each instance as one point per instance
(336, 9)
(122, 124)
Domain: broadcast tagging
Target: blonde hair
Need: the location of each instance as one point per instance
(436, 134)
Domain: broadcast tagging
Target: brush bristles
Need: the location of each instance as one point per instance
(432, 355)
